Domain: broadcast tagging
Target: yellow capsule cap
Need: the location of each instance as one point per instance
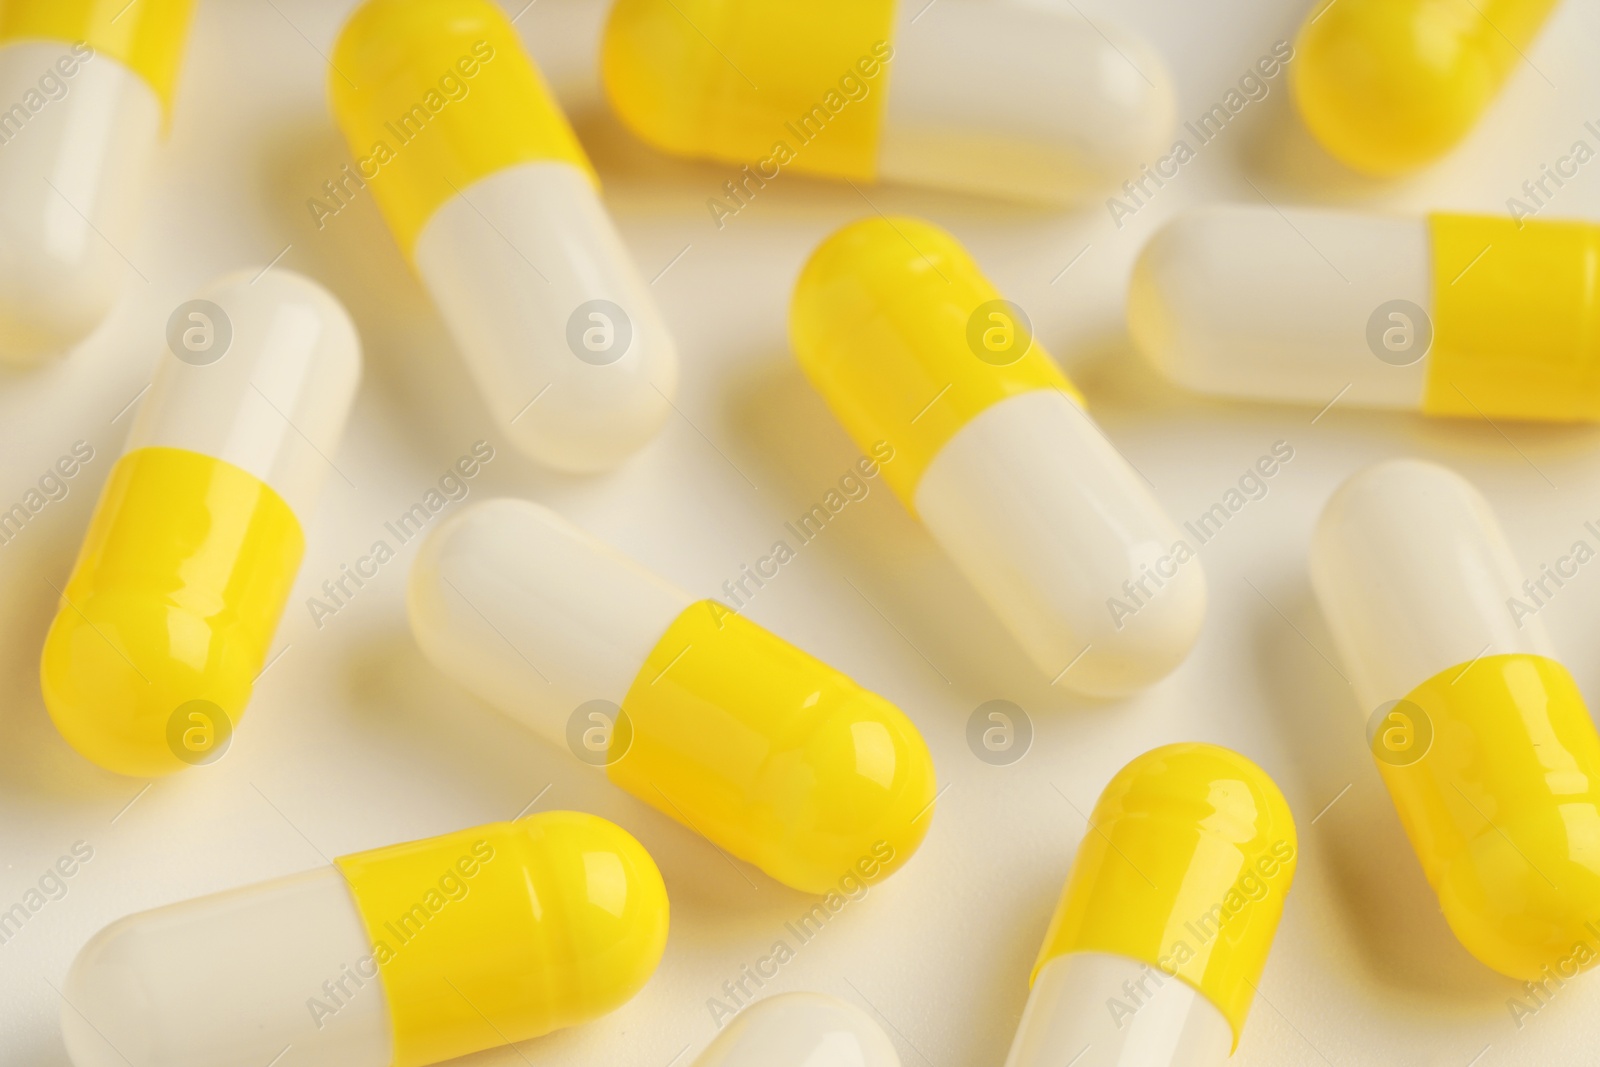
(774, 756)
(433, 95)
(1185, 866)
(147, 37)
(170, 611)
(508, 931)
(770, 83)
(1503, 809)
(1388, 86)
(1516, 331)
(907, 341)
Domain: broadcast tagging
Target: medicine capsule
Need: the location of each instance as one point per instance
(396, 957)
(912, 347)
(490, 195)
(194, 545)
(1016, 101)
(88, 87)
(775, 757)
(1388, 86)
(1455, 315)
(1158, 943)
(800, 1030)
(1479, 732)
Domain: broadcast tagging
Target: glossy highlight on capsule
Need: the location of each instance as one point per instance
(397, 957)
(1453, 315)
(490, 195)
(775, 757)
(1161, 934)
(169, 613)
(87, 86)
(910, 344)
(1388, 86)
(1479, 732)
(1000, 99)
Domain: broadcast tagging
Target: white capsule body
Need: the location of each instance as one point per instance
(72, 178)
(1096, 1009)
(266, 385)
(1245, 301)
(1414, 578)
(1025, 102)
(1065, 542)
(557, 328)
(533, 615)
(232, 980)
(800, 1030)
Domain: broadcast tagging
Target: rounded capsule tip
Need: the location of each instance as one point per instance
(1389, 86)
(798, 1029)
(1194, 855)
(613, 905)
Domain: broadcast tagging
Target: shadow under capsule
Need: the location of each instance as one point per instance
(871, 549)
(1390, 914)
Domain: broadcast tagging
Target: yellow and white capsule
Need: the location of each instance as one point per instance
(772, 755)
(397, 957)
(801, 1030)
(1480, 734)
(492, 198)
(1157, 946)
(1453, 315)
(1012, 100)
(1388, 86)
(169, 614)
(912, 346)
(87, 85)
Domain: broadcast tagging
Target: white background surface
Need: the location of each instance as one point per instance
(353, 742)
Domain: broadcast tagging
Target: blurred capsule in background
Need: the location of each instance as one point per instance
(774, 756)
(397, 957)
(492, 198)
(1389, 86)
(800, 1030)
(1479, 732)
(1003, 99)
(196, 540)
(1457, 315)
(911, 345)
(85, 88)
(1157, 946)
